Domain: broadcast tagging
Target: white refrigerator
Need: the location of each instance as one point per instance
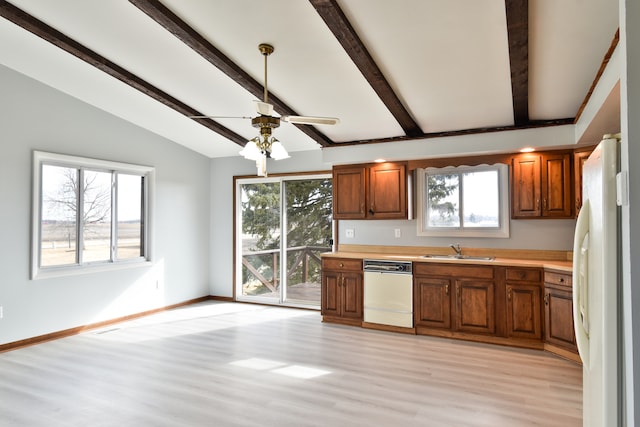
(596, 288)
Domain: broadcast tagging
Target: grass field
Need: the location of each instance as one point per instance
(58, 243)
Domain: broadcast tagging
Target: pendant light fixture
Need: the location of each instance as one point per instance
(264, 146)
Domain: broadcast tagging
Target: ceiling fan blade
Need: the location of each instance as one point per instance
(310, 120)
(264, 108)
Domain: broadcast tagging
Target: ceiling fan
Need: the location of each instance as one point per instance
(266, 146)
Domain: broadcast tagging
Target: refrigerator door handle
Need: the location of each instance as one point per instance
(580, 282)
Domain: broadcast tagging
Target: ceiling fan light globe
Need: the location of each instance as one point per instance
(251, 151)
(278, 151)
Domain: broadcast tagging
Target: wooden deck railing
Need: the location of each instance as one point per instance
(303, 255)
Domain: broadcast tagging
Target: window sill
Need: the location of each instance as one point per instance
(77, 270)
(489, 234)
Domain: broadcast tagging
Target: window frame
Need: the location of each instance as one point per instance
(502, 231)
(40, 159)
(281, 180)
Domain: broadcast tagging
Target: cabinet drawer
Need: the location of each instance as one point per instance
(452, 270)
(523, 275)
(342, 264)
(560, 279)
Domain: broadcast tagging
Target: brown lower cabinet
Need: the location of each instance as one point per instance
(433, 302)
(479, 302)
(558, 307)
(459, 298)
(523, 288)
(511, 305)
(342, 290)
(475, 306)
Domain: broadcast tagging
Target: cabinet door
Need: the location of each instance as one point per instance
(349, 193)
(433, 302)
(475, 306)
(556, 186)
(331, 288)
(559, 318)
(388, 191)
(524, 311)
(526, 196)
(578, 163)
(351, 295)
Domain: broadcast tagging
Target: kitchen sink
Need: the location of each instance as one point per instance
(461, 257)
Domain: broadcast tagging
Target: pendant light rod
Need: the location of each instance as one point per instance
(266, 50)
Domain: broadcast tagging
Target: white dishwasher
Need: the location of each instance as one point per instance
(388, 292)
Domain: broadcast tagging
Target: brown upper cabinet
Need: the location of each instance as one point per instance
(349, 192)
(579, 157)
(542, 185)
(371, 191)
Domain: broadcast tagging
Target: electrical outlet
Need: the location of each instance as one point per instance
(349, 233)
(397, 232)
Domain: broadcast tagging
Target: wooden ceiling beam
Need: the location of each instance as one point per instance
(342, 29)
(517, 12)
(190, 37)
(69, 45)
(531, 124)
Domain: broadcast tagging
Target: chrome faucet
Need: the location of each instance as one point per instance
(456, 247)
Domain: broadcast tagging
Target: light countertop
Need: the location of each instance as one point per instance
(561, 265)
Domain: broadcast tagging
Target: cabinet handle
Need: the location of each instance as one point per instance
(457, 291)
(341, 265)
(537, 204)
(509, 293)
(562, 280)
(544, 202)
(546, 299)
(446, 289)
(371, 211)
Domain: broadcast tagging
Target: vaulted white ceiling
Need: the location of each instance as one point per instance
(446, 62)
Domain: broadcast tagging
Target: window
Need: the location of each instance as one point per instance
(88, 214)
(464, 201)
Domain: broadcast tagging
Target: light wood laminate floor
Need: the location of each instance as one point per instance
(230, 364)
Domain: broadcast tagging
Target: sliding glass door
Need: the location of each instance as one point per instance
(283, 224)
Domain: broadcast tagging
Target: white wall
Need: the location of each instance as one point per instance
(36, 117)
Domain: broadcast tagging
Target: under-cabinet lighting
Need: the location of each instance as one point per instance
(527, 150)
(380, 160)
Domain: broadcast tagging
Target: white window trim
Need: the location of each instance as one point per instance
(40, 157)
(503, 187)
